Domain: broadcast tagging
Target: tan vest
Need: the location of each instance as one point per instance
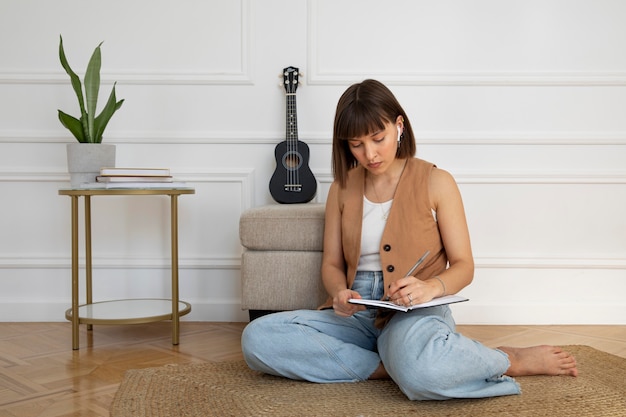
(411, 228)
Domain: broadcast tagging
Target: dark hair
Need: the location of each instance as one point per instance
(365, 108)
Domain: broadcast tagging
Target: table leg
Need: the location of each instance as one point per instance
(174, 233)
(88, 264)
(75, 338)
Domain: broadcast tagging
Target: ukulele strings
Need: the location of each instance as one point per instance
(292, 141)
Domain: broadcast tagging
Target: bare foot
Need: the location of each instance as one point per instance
(380, 373)
(540, 360)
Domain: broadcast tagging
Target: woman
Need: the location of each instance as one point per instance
(384, 210)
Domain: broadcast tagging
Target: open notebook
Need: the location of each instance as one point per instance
(448, 299)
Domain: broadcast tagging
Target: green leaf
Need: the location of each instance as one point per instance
(73, 124)
(92, 87)
(76, 84)
(88, 128)
(103, 118)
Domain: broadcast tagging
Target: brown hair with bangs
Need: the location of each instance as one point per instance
(362, 109)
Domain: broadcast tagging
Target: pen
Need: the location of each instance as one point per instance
(414, 267)
(418, 263)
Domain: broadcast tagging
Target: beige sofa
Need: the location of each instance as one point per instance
(281, 259)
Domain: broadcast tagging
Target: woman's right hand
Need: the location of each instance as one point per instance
(341, 305)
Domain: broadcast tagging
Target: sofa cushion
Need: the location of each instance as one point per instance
(287, 227)
(281, 280)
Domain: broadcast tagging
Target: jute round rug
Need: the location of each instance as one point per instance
(232, 389)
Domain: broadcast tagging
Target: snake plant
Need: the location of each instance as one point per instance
(89, 128)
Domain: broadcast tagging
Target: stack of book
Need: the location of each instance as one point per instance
(135, 178)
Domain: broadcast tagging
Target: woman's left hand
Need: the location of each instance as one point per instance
(341, 305)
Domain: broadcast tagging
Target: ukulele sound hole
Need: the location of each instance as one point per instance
(292, 160)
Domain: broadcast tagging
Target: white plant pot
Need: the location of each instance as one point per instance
(84, 161)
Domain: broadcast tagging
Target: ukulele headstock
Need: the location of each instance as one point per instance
(290, 79)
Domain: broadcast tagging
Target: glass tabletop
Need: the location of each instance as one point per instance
(128, 311)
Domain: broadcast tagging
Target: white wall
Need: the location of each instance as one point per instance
(523, 101)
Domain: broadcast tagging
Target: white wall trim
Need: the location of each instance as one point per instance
(143, 77)
(233, 137)
(539, 177)
(462, 177)
(101, 263)
(243, 176)
(459, 78)
(49, 261)
(513, 262)
(516, 137)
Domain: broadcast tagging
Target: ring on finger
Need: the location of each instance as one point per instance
(410, 299)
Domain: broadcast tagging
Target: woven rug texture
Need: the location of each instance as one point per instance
(232, 389)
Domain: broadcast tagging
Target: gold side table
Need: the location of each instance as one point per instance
(122, 311)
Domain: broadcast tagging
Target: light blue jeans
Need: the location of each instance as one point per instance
(420, 350)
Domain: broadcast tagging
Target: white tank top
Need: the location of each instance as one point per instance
(374, 221)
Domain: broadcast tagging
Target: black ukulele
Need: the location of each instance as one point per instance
(292, 181)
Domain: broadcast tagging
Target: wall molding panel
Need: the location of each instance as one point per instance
(149, 76)
(419, 45)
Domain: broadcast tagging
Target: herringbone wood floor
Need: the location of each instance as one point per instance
(40, 375)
